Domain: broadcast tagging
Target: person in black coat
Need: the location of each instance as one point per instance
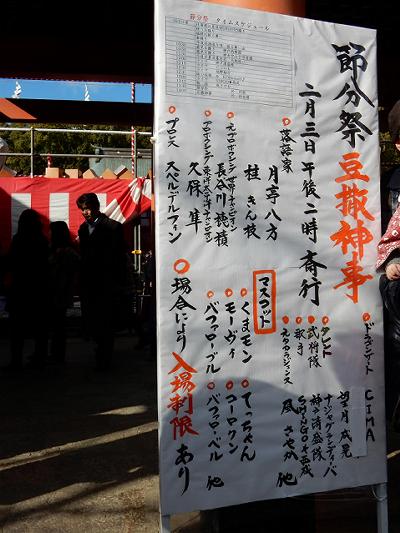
(27, 297)
(388, 262)
(103, 276)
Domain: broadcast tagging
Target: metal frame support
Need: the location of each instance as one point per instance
(380, 492)
(165, 523)
(135, 153)
(31, 154)
(32, 149)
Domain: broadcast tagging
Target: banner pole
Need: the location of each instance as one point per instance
(382, 508)
(165, 523)
(32, 150)
(133, 136)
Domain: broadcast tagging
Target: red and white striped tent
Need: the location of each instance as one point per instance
(55, 199)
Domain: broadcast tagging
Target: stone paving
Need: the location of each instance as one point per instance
(78, 453)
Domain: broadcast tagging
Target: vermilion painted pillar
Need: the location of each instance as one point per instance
(285, 7)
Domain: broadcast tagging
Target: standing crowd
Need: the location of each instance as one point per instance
(41, 276)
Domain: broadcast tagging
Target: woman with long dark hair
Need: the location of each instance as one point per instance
(27, 298)
(64, 264)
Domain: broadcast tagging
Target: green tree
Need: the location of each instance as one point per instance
(390, 156)
(72, 142)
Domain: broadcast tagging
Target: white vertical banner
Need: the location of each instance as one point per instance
(102, 201)
(19, 202)
(59, 207)
(270, 350)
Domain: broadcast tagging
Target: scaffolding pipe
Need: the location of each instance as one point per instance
(66, 130)
(96, 156)
(32, 149)
(135, 153)
(32, 154)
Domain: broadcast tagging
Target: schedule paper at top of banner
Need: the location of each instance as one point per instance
(225, 62)
(270, 352)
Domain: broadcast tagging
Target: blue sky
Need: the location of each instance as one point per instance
(75, 90)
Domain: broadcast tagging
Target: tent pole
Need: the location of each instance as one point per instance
(165, 523)
(380, 493)
(32, 149)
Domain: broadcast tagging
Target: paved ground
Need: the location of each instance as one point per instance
(78, 453)
(79, 449)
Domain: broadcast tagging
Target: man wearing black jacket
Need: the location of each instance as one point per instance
(103, 276)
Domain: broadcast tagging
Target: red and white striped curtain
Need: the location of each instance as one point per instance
(55, 199)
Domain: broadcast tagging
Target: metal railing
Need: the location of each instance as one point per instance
(32, 154)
